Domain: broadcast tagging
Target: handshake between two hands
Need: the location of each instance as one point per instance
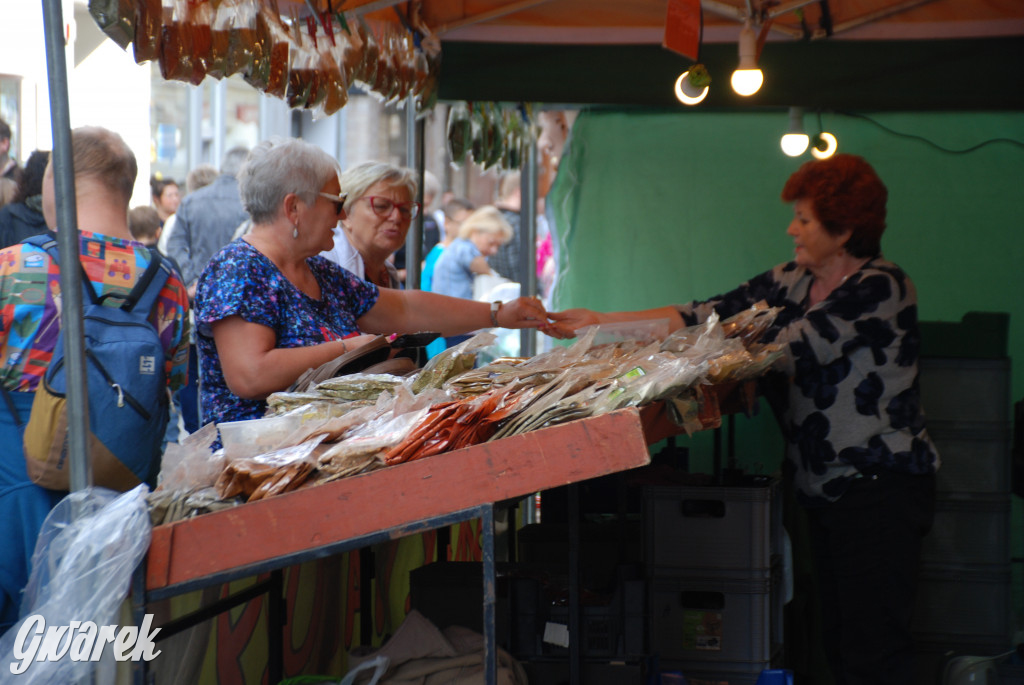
(529, 312)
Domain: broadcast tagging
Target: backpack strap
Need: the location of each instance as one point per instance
(148, 287)
(11, 408)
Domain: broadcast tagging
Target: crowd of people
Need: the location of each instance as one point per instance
(285, 262)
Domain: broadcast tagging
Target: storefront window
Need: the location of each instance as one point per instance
(169, 127)
(241, 114)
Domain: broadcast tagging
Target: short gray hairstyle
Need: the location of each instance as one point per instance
(233, 160)
(360, 178)
(280, 166)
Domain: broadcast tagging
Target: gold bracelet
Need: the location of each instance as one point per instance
(495, 308)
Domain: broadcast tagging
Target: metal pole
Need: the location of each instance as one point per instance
(80, 468)
(528, 240)
(414, 157)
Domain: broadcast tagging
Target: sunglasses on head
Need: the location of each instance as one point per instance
(338, 200)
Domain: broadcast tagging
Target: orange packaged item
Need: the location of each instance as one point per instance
(149, 18)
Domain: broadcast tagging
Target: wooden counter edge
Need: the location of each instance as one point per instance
(394, 497)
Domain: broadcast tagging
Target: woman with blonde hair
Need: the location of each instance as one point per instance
(480, 236)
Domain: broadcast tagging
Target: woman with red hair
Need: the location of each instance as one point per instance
(857, 452)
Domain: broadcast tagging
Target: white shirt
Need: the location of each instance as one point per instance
(344, 255)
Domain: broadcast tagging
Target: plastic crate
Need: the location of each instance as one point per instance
(715, 528)
(724, 673)
(963, 604)
(601, 628)
(975, 456)
(716, 622)
(969, 390)
(978, 334)
(969, 529)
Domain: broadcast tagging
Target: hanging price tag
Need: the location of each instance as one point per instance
(683, 27)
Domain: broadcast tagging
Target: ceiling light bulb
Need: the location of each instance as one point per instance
(747, 78)
(795, 142)
(825, 145)
(686, 92)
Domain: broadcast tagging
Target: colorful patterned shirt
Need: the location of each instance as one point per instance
(851, 405)
(241, 281)
(30, 305)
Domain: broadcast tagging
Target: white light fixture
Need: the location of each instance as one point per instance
(795, 142)
(747, 78)
(687, 93)
(825, 145)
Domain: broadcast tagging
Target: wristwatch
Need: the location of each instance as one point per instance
(495, 308)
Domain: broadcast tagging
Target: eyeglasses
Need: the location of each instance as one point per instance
(383, 207)
(338, 200)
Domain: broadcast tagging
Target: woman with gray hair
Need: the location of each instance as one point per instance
(280, 308)
(379, 211)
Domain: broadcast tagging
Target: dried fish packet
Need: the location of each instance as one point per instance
(358, 386)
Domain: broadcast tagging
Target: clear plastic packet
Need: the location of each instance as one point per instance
(233, 38)
(116, 18)
(459, 135)
(186, 42)
(268, 474)
(191, 465)
(87, 551)
(372, 438)
(644, 331)
(149, 20)
(359, 386)
(750, 324)
(255, 436)
(451, 362)
(271, 54)
(332, 61)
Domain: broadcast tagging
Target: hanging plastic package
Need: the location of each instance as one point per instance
(232, 38)
(185, 42)
(335, 79)
(87, 551)
(116, 18)
(149, 19)
(268, 70)
(460, 133)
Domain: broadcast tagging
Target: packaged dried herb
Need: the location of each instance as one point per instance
(116, 18)
(460, 133)
(149, 18)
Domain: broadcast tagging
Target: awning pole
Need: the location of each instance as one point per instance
(414, 160)
(528, 238)
(67, 241)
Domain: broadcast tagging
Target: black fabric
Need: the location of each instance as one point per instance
(18, 221)
(867, 548)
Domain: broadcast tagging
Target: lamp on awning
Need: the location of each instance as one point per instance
(795, 141)
(692, 85)
(747, 78)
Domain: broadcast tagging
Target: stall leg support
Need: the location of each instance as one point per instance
(490, 596)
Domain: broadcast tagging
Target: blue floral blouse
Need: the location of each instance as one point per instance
(240, 280)
(851, 403)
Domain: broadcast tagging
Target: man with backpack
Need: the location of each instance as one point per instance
(30, 305)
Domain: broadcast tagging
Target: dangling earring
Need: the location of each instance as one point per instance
(295, 231)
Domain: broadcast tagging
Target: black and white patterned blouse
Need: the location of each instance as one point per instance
(851, 406)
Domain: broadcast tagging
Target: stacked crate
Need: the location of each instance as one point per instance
(714, 579)
(963, 601)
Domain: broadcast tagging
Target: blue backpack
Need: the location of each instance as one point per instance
(126, 388)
